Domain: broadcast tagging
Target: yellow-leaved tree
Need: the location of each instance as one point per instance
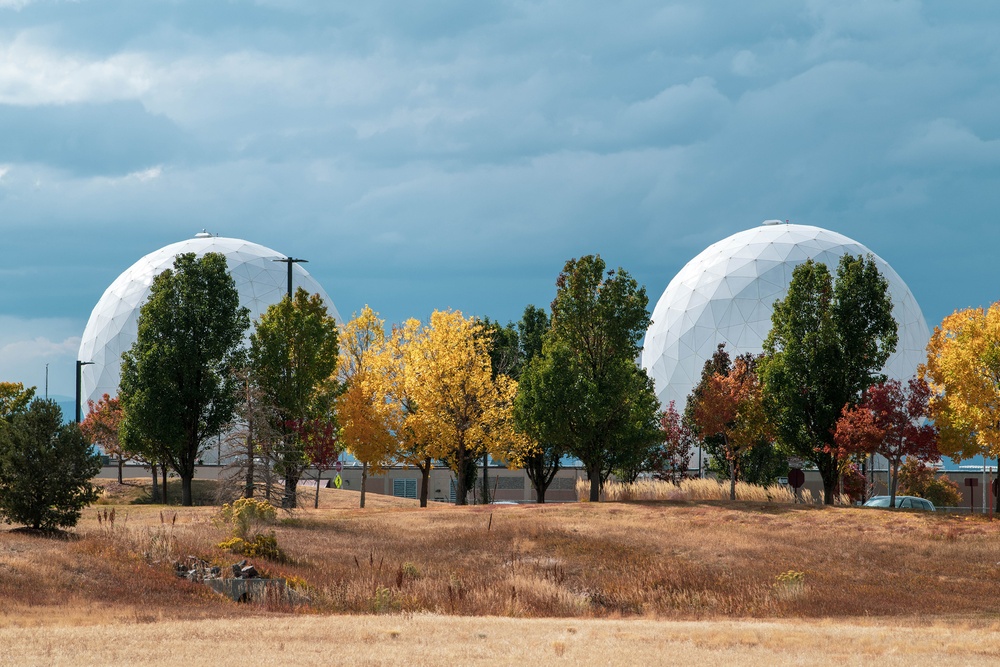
(963, 370)
(389, 387)
(367, 418)
(459, 411)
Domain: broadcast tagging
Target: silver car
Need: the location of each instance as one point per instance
(903, 503)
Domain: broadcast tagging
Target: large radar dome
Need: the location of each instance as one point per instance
(113, 324)
(726, 295)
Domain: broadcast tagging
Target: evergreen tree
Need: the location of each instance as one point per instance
(45, 468)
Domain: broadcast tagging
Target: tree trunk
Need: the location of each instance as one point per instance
(364, 482)
(892, 484)
(187, 500)
(486, 484)
(248, 485)
(289, 500)
(156, 485)
(319, 476)
(540, 490)
(163, 471)
(732, 479)
(594, 473)
(425, 474)
(121, 464)
(461, 491)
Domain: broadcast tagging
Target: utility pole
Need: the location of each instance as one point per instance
(79, 366)
(290, 261)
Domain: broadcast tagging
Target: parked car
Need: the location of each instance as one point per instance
(903, 503)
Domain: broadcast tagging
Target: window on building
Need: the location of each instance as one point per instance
(404, 488)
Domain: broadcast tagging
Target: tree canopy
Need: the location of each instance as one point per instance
(584, 393)
(293, 356)
(45, 468)
(464, 411)
(828, 342)
(963, 370)
(178, 387)
(366, 416)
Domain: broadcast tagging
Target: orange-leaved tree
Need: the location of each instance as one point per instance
(101, 425)
(732, 407)
(365, 412)
(963, 371)
(891, 421)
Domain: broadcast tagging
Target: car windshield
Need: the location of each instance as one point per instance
(879, 501)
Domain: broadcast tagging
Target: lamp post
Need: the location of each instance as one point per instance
(79, 365)
(290, 261)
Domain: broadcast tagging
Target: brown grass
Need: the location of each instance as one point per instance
(681, 560)
(438, 640)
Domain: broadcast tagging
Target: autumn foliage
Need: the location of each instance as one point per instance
(732, 407)
(890, 421)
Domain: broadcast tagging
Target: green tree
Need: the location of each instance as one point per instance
(585, 393)
(178, 386)
(293, 356)
(828, 342)
(545, 459)
(45, 468)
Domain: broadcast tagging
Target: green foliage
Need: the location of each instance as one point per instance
(178, 387)
(293, 356)
(828, 342)
(584, 394)
(45, 468)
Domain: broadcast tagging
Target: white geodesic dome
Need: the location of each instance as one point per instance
(726, 295)
(113, 324)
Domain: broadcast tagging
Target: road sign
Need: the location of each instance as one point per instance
(337, 481)
(971, 481)
(338, 466)
(796, 478)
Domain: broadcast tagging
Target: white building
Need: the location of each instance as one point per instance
(726, 295)
(113, 324)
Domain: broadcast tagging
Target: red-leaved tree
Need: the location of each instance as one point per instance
(320, 441)
(891, 421)
(100, 427)
(671, 459)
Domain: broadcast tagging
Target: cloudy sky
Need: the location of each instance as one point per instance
(453, 154)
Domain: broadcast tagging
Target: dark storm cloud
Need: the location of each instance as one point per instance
(455, 154)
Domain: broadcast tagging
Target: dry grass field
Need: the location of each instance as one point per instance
(584, 583)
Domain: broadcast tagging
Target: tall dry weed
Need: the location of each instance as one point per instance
(700, 489)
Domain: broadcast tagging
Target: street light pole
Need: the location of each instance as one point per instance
(289, 261)
(79, 365)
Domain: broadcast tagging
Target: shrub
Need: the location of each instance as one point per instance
(45, 469)
(247, 516)
(918, 479)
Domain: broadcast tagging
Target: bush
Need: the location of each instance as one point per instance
(45, 469)
(246, 518)
(918, 479)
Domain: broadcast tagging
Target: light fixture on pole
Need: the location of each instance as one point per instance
(79, 365)
(290, 261)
